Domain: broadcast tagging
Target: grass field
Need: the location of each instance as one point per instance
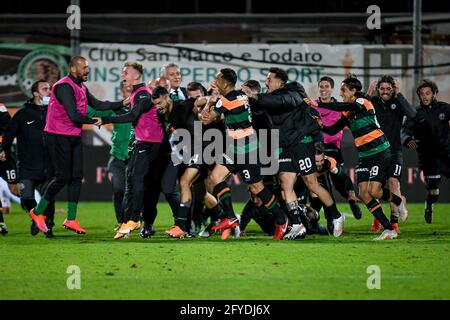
(414, 266)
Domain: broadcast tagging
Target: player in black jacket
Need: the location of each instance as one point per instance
(429, 133)
(34, 172)
(292, 117)
(391, 108)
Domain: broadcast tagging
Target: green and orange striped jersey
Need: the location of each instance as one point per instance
(369, 138)
(238, 121)
(236, 110)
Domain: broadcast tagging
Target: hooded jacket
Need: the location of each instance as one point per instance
(288, 112)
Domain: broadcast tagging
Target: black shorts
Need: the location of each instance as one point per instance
(250, 173)
(374, 168)
(434, 163)
(396, 166)
(195, 162)
(202, 167)
(303, 159)
(285, 163)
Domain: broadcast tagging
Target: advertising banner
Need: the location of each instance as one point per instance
(22, 64)
(305, 63)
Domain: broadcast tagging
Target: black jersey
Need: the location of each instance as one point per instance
(390, 116)
(430, 127)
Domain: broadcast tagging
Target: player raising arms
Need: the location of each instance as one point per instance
(373, 149)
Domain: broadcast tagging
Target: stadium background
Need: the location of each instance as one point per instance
(309, 39)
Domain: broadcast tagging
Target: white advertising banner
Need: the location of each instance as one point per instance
(305, 63)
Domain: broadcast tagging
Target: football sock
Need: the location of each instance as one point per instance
(72, 210)
(293, 212)
(394, 217)
(377, 211)
(271, 203)
(223, 194)
(182, 214)
(42, 205)
(431, 198)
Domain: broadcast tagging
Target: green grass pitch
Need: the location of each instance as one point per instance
(414, 266)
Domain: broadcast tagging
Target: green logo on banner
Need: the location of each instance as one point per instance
(43, 63)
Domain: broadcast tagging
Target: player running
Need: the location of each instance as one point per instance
(391, 108)
(429, 133)
(373, 149)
